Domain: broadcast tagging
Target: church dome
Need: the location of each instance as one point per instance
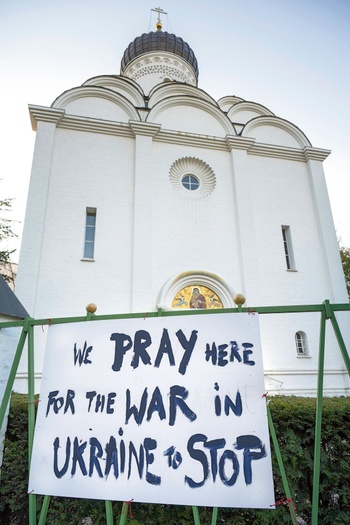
(158, 41)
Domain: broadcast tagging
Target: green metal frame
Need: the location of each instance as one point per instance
(326, 310)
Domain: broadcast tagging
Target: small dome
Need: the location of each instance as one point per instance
(159, 41)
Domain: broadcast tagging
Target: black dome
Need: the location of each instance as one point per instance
(159, 41)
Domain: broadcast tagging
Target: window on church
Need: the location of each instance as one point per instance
(301, 343)
(288, 250)
(190, 182)
(90, 227)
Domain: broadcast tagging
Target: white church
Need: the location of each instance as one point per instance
(147, 194)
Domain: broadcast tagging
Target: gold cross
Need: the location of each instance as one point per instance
(158, 10)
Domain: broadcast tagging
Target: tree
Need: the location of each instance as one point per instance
(345, 259)
(6, 232)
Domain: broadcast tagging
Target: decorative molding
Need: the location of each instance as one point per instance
(44, 114)
(100, 93)
(316, 153)
(299, 372)
(191, 139)
(277, 152)
(144, 128)
(193, 102)
(305, 392)
(258, 109)
(90, 125)
(115, 82)
(234, 142)
(171, 89)
(160, 62)
(24, 376)
(192, 166)
(225, 103)
(285, 125)
(132, 128)
(275, 382)
(283, 152)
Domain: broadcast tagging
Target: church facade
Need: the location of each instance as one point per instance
(146, 193)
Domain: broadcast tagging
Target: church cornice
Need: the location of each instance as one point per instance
(279, 152)
(132, 128)
(191, 139)
(96, 126)
(287, 153)
(75, 122)
(316, 153)
(44, 114)
(144, 128)
(235, 142)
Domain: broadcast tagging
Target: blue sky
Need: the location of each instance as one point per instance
(291, 56)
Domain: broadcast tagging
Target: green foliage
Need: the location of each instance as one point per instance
(6, 232)
(14, 472)
(345, 259)
(294, 420)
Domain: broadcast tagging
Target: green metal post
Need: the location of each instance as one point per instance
(109, 512)
(13, 371)
(281, 466)
(124, 513)
(214, 516)
(318, 423)
(44, 509)
(341, 343)
(195, 511)
(31, 416)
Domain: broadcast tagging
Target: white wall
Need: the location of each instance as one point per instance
(146, 231)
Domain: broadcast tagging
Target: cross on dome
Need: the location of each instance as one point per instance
(159, 11)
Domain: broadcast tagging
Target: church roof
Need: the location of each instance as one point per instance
(159, 41)
(9, 304)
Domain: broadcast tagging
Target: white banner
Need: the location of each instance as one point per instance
(162, 409)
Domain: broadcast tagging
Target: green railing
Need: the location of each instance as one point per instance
(327, 312)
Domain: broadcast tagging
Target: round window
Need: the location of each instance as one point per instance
(193, 177)
(190, 182)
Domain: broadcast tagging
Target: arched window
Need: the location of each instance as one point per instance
(301, 343)
(195, 290)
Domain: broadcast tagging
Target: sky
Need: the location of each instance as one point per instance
(292, 56)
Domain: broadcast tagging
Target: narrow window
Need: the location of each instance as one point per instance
(301, 343)
(287, 246)
(90, 227)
